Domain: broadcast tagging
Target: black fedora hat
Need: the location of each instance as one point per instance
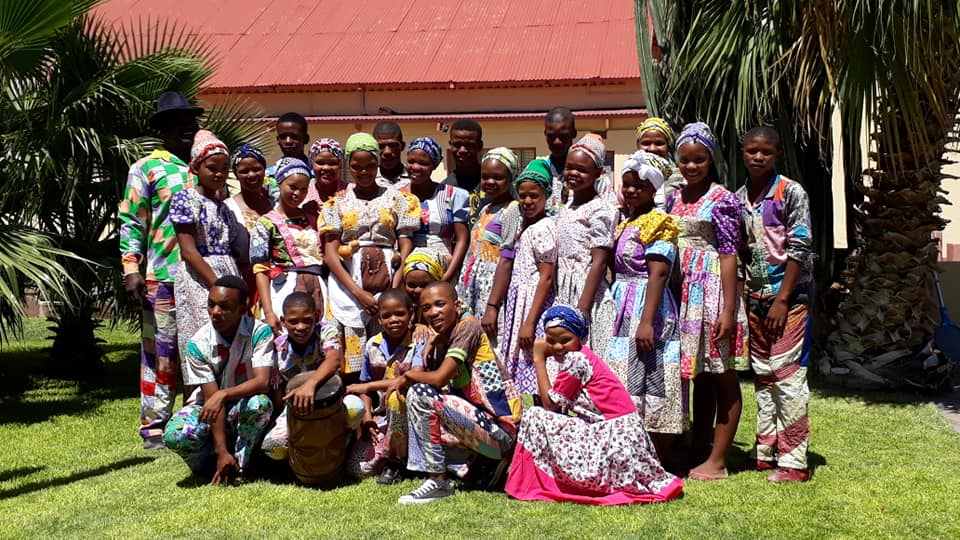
(171, 103)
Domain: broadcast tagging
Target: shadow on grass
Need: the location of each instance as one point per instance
(76, 477)
(17, 473)
(23, 372)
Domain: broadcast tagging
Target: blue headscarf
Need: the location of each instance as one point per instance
(697, 132)
(290, 166)
(429, 146)
(247, 151)
(567, 318)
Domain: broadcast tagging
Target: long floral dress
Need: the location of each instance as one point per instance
(495, 234)
(360, 223)
(537, 244)
(580, 228)
(290, 252)
(709, 227)
(600, 456)
(217, 241)
(651, 377)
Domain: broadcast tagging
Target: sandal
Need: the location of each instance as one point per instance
(696, 475)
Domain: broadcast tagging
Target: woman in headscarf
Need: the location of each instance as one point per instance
(585, 228)
(253, 201)
(530, 285)
(422, 267)
(713, 336)
(367, 229)
(645, 349)
(207, 232)
(602, 454)
(492, 240)
(285, 248)
(326, 160)
(655, 137)
(444, 209)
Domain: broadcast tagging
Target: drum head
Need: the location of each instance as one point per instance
(328, 393)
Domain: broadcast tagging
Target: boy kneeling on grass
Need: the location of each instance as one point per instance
(388, 355)
(462, 397)
(229, 358)
(307, 357)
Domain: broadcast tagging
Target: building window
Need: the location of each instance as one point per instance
(526, 155)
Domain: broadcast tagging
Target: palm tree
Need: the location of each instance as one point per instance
(891, 62)
(71, 125)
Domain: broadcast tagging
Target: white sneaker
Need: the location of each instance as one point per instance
(429, 491)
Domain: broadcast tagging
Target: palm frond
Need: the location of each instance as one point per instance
(28, 258)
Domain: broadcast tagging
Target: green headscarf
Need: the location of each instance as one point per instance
(538, 172)
(362, 142)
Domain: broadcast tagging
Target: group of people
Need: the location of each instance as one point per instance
(541, 320)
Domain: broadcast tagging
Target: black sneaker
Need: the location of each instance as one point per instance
(431, 490)
(390, 474)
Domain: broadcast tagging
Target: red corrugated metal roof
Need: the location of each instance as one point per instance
(581, 114)
(287, 44)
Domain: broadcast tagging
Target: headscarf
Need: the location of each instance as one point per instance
(247, 151)
(429, 146)
(654, 123)
(363, 142)
(697, 132)
(290, 166)
(567, 318)
(538, 172)
(326, 144)
(205, 144)
(592, 145)
(640, 163)
(506, 156)
(428, 260)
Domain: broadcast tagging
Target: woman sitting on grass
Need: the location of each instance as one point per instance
(602, 455)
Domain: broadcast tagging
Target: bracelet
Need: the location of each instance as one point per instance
(495, 306)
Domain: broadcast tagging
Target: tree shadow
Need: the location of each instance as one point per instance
(76, 477)
(17, 473)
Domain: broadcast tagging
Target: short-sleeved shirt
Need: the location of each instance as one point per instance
(584, 227)
(438, 214)
(480, 377)
(291, 363)
(211, 358)
(653, 233)
(379, 221)
(268, 247)
(145, 227)
(476, 200)
(216, 226)
(382, 363)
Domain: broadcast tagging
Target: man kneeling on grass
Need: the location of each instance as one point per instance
(229, 358)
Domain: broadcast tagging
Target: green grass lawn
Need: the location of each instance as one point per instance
(71, 466)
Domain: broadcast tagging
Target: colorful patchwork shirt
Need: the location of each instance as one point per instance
(291, 363)
(211, 358)
(777, 229)
(145, 226)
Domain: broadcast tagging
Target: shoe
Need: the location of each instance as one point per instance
(390, 474)
(765, 465)
(153, 443)
(431, 490)
(784, 475)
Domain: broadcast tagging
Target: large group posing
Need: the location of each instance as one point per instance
(349, 315)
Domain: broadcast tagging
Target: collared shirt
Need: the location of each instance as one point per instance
(380, 362)
(212, 358)
(144, 213)
(778, 229)
(291, 363)
(387, 181)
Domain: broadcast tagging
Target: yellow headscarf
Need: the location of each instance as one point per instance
(655, 124)
(427, 260)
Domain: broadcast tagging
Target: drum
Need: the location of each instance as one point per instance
(317, 444)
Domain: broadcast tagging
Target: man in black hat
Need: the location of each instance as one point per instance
(146, 233)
